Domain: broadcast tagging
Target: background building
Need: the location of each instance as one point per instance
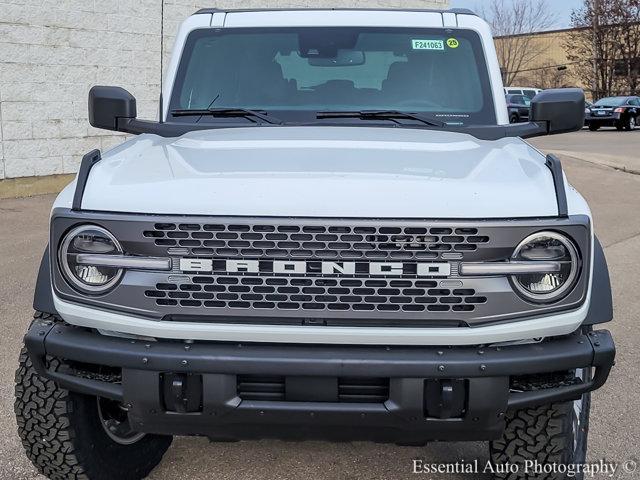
(51, 53)
(548, 64)
(564, 58)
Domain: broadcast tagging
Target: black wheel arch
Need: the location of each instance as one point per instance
(601, 306)
(43, 295)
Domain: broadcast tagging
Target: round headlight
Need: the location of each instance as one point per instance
(89, 239)
(551, 247)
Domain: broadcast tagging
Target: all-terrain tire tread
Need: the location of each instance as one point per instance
(62, 435)
(42, 411)
(542, 433)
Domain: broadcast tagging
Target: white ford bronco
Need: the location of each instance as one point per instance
(332, 232)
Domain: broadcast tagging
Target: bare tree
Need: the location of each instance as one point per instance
(626, 15)
(547, 75)
(593, 42)
(514, 21)
(607, 37)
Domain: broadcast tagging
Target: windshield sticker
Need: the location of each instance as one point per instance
(453, 43)
(427, 44)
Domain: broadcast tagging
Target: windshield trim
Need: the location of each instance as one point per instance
(309, 116)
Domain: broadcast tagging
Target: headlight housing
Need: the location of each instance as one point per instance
(547, 287)
(89, 239)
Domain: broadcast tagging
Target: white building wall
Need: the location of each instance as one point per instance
(52, 52)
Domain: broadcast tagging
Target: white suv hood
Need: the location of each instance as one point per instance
(323, 172)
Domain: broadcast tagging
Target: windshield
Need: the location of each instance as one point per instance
(518, 99)
(610, 101)
(297, 72)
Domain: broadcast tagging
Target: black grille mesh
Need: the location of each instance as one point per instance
(349, 389)
(301, 293)
(319, 242)
(363, 390)
(264, 388)
(315, 295)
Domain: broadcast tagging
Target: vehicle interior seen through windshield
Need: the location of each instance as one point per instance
(302, 71)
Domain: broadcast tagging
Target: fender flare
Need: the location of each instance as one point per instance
(43, 295)
(601, 306)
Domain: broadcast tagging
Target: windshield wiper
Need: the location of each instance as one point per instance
(228, 112)
(384, 115)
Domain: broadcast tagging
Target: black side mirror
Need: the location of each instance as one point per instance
(108, 104)
(561, 109)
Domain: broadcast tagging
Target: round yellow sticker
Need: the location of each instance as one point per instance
(453, 43)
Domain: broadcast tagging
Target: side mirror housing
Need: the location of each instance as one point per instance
(562, 110)
(109, 104)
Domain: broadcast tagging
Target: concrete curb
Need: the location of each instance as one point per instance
(611, 161)
(31, 186)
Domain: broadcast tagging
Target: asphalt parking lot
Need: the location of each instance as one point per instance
(614, 196)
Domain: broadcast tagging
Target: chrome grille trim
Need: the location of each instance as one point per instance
(124, 261)
(508, 268)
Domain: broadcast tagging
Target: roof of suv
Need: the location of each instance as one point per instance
(460, 11)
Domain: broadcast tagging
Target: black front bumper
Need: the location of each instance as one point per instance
(604, 120)
(455, 393)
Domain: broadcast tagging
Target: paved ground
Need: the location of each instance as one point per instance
(615, 435)
(607, 146)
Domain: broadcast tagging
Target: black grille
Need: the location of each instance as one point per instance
(252, 387)
(319, 242)
(363, 390)
(303, 293)
(349, 389)
(208, 284)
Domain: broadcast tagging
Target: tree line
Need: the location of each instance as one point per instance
(606, 46)
(602, 48)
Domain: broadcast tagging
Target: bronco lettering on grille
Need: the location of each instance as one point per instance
(322, 268)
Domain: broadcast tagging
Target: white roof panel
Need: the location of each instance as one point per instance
(334, 18)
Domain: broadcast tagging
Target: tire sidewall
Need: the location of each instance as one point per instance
(582, 432)
(580, 452)
(63, 436)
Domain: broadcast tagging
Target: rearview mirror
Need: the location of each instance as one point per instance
(343, 58)
(108, 104)
(561, 109)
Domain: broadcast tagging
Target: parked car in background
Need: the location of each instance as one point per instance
(519, 107)
(528, 92)
(587, 106)
(619, 112)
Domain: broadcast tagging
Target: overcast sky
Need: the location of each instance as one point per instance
(562, 8)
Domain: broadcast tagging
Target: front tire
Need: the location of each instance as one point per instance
(631, 123)
(594, 127)
(553, 434)
(63, 435)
